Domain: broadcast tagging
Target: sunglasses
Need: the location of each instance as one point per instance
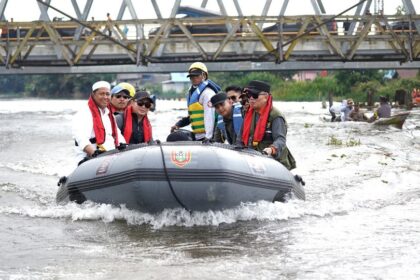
(146, 104)
(252, 94)
(233, 98)
(122, 95)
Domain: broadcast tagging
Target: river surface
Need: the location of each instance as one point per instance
(361, 219)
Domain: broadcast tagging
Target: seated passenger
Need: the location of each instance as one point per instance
(265, 128)
(244, 102)
(384, 110)
(234, 93)
(229, 119)
(356, 115)
(94, 126)
(134, 123)
(346, 110)
(120, 98)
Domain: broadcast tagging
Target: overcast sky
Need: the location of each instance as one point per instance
(27, 10)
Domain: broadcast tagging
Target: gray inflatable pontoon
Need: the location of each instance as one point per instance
(198, 177)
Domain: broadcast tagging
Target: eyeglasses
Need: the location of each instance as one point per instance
(233, 98)
(122, 95)
(146, 104)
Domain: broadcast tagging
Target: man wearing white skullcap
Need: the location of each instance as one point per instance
(94, 126)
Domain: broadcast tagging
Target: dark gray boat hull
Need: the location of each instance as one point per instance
(194, 176)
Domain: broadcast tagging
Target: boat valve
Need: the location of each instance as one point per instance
(299, 179)
(62, 181)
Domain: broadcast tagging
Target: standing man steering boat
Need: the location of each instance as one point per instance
(200, 114)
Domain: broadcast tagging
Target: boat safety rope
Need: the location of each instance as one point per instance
(168, 179)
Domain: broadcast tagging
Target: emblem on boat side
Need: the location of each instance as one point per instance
(180, 158)
(104, 166)
(256, 166)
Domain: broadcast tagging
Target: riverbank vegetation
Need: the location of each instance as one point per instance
(50, 86)
(341, 84)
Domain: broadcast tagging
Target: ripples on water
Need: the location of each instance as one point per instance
(360, 220)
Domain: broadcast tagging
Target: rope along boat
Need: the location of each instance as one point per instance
(197, 177)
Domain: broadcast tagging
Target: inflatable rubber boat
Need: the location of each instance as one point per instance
(192, 175)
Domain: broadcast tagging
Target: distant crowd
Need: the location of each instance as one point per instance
(348, 111)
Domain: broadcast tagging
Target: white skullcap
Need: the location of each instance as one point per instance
(101, 84)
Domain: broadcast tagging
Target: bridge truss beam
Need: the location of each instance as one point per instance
(370, 39)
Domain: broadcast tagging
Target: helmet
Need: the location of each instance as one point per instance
(131, 90)
(199, 65)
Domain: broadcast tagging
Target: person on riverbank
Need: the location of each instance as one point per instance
(384, 110)
(265, 128)
(200, 114)
(94, 127)
(229, 119)
(121, 95)
(134, 123)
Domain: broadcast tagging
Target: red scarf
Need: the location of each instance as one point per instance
(98, 126)
(128, 129)
(259, 129)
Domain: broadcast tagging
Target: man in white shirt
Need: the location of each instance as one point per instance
(200, 114)
(94, 126)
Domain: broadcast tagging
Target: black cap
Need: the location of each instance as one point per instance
(218, 98)
(258, 86)
(194, 72)
(141, 94)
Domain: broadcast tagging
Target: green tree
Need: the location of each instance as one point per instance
(346, 80)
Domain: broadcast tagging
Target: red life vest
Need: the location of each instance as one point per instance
(98, 126)
(259, 127)
(128, 126)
